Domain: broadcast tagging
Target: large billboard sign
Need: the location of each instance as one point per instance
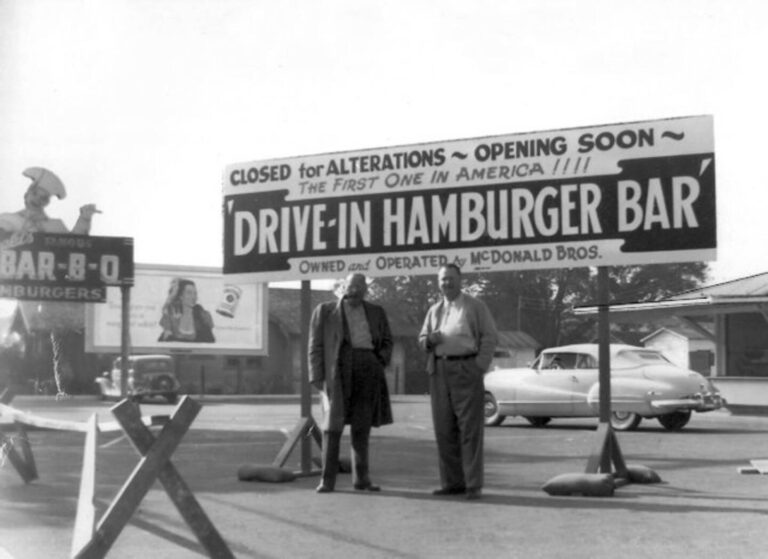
(63, 267)
(183, 309)
(619, 194)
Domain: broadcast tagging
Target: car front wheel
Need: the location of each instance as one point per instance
(492, 415)
(676, 420)
(625, 420)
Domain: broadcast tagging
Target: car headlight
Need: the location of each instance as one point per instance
(708, 387)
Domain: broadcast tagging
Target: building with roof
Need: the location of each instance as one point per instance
(514, 349)
(685, 346)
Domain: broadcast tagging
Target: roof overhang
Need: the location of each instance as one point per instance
(694, 307)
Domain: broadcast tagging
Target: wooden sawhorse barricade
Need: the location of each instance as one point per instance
(93, 539)
(21, 458)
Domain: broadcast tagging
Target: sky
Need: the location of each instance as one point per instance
(138, 105)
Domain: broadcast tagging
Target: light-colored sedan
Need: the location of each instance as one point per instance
(564, 382)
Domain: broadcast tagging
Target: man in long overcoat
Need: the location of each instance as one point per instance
(350, 343)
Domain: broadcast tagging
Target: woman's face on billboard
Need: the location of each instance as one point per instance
(189, 296)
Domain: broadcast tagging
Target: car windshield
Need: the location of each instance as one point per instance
(565, 360)
(637, 357)
(559, 360)
(154, 366)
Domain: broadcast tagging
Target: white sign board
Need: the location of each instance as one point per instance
(183, 309)
(619, 194)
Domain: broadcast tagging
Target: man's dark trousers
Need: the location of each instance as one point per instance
(358, 368)
(456, 390)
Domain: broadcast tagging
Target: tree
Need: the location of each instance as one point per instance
(408, 296)
(406, 300)
(535, 302)
(637, 284)
(540, 302)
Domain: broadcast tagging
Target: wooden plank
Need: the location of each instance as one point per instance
(16, 460)
(617, 457)
(32, 420)
(143, 476)
(314, 430)
(42, 422)
(180, 493)
(26, 450)
(595, 460)
(606, 454)
(85, 521)
(299, 431)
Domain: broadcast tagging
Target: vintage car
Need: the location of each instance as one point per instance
(148, 375)
(564, 382)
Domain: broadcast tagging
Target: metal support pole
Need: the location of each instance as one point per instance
(306, 396)
(604, 339)
(125, 337)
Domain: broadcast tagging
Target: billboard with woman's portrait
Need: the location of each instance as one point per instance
(183, 309)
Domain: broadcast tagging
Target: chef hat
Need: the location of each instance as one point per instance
(46, 180)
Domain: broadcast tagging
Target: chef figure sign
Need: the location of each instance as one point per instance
(33, 219)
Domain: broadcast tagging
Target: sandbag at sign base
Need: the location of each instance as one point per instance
(589, 485)
(638, 473)
(271, 474)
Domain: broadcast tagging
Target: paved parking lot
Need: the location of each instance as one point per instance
(703, 507)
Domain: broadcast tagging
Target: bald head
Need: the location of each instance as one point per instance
(355, 288)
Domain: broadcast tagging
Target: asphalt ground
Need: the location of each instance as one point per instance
(703, 507)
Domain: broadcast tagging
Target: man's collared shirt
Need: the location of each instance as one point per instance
(359, 330)
(457, 336)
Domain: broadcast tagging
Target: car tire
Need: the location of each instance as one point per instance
(625, 420)
(492, 415)
(538, 421)
(676, 420)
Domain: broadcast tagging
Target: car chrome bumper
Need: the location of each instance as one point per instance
(701, 403)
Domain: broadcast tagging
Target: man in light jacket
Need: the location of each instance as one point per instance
(460, 336)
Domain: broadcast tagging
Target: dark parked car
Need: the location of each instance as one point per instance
(148, 375)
